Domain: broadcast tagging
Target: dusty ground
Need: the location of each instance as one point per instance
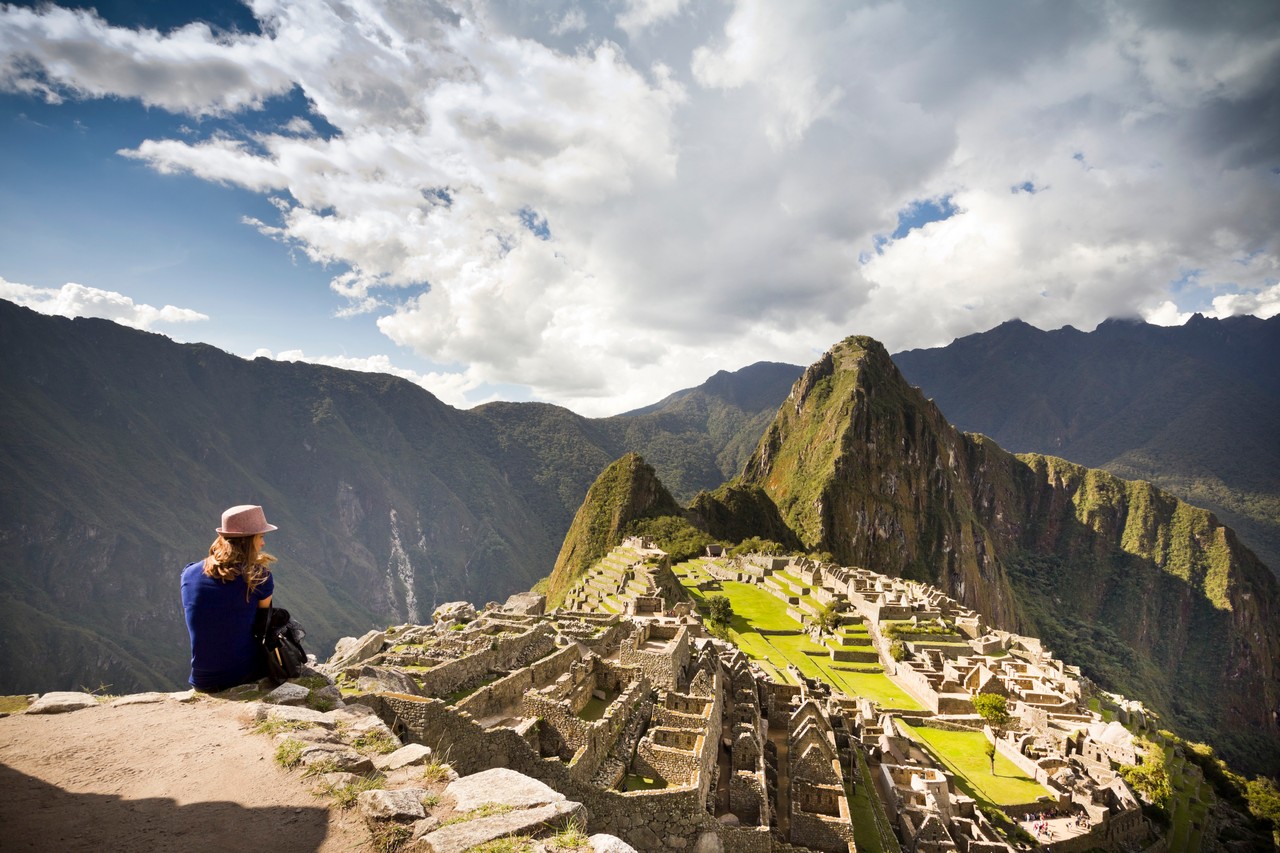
(157, 777)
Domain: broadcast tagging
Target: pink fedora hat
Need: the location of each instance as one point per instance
(245, 520)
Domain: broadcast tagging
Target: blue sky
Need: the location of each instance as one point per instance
(598, 204)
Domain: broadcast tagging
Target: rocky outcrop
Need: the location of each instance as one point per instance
(625, 491)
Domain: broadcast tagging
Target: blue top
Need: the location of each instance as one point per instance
(220, 621)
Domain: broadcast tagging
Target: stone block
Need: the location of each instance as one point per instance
(290, 713)
(402, 805)
(502, 786)
(414, 753)
(62, 702)
(287, 694)
(602, 843)
(336, 757)
(349, 650)
(459, 837)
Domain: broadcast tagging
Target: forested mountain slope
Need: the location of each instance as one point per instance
(1194, 409)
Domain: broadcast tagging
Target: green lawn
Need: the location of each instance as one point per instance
(964, 754)
(754, 609)
(871, 828)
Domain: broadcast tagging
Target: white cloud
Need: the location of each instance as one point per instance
(604, 205)
(76, 300)
(641, 14)
(1262, 303)
(191, 69)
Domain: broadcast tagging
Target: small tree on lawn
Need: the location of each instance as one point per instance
(990, 752)
(829, 616)
(719, 609)
(994, 710)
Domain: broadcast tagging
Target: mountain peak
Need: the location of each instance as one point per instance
(627, 490)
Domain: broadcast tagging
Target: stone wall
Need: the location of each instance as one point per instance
(505, 652)
(507, 693)
(662, 666)
(650, 821)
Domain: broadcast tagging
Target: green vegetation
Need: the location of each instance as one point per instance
(13, 704)
(1149, 780)
(377, 742)
(829, 615)
(719, 608)
(626, 491)
(964, 754)
(435, 770)
(273, 727)
(643, 783)
(755, 610)
(872, 831)
(1264, 801)
(756, 545)
(509, 844)
(289, 753)
(344, 795)
(390, 837)
(673, 534)
(1010, 828)
(993, 709)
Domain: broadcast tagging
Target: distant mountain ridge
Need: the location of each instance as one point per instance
(1194, 409)
(119, 448)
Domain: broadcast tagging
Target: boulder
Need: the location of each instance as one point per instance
(335, 758)
(383, 679)
(602, 843)
(453, 613)
(339, 779)
(526, 603)
(402, 805)
(501, 786)
(458, 837)
(349, 650)
(370, 727)
(288, 694)
(290, 713)
(60, 703)
(414, 753)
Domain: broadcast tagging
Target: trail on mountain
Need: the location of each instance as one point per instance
(158, 777)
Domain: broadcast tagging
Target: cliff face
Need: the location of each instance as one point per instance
(1153, 597)
(625, 491)
(861, 465)
(1194, 409)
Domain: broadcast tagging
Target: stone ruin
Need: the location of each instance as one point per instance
(671, 739)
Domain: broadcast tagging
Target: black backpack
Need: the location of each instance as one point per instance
(282, 646)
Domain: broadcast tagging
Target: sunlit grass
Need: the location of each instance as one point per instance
(754, 610)
(964, 754)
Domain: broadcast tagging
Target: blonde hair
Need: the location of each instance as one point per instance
(231, 557)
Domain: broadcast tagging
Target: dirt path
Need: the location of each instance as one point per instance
(157, 777)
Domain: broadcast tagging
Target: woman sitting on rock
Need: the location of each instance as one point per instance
(226, 596)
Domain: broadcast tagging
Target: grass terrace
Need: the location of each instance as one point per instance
(964, 754)
(755, 610)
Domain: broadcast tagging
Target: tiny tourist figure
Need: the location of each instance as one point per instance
(225, 597)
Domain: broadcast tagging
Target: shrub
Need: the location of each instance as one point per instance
(289, 753)
(719, 608)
